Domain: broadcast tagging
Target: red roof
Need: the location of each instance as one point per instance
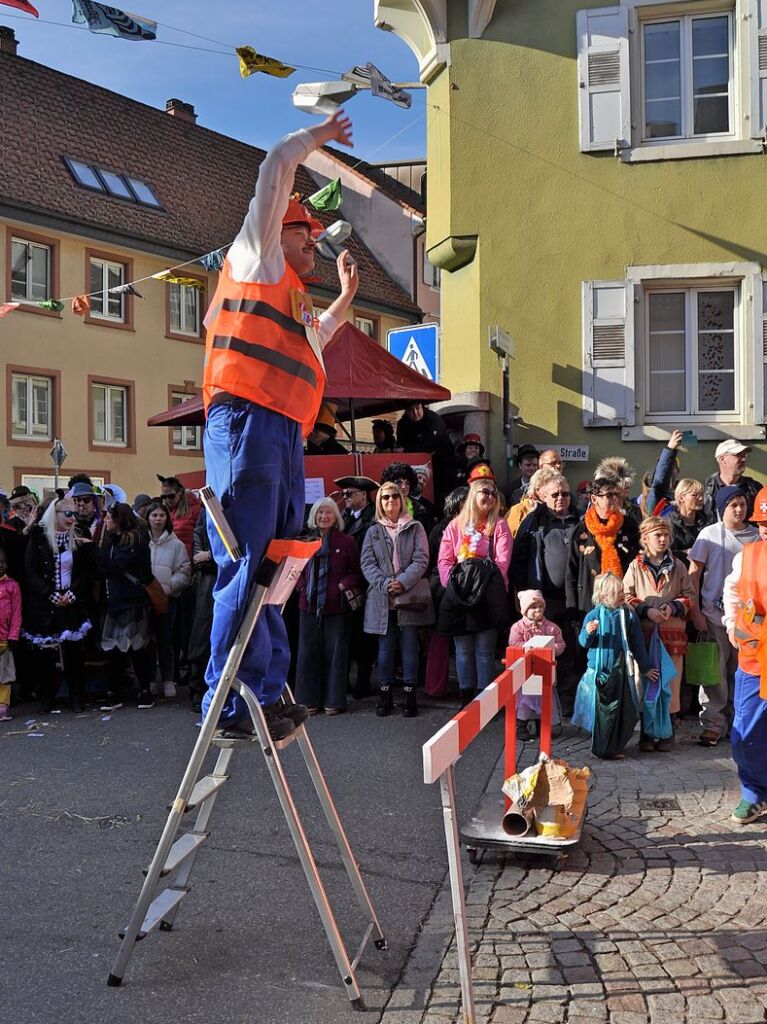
(203, 179)
(358, 369)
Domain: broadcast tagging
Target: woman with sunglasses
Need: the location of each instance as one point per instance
(59, 578)
(478, 531)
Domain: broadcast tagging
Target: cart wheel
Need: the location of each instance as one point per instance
(560, 862)
(473, 853)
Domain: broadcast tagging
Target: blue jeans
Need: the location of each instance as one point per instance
(404, 637)
(255, 466)
(475, 659)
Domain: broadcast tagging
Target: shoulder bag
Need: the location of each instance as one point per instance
(418, 598)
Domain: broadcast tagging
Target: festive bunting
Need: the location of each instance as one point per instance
(113, 22)
(125, 289)
(53, 305)
(381, 86)
(81, 305)
(170, 278)
(213, 260)
(8, 307)
(328, 198)
(21, 5)
(251, 62)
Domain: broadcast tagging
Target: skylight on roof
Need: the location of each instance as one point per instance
(120, 186)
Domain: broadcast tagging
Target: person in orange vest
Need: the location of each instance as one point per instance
(745, 606)
(263, 382)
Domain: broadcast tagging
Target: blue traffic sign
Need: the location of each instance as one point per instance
(418, 347)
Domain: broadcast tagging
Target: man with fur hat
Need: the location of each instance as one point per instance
(263, 383)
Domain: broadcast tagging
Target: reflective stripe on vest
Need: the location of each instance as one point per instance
(267, 355)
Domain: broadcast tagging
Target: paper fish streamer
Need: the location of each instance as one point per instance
(170, 278)
(251, 62)
(328, 198)
(112, 22)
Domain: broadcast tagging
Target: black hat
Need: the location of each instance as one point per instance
(359, 483)
(22, 491)
(526, 449)
(325, 428)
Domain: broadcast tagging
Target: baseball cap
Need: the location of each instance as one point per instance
(731, 447)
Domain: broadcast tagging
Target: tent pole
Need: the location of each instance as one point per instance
(351, 425)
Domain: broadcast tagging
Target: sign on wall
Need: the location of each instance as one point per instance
(418, 347)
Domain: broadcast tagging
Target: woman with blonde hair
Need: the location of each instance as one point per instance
(686, 518)
(475, 605)
(324, 618)
(660, 591)
(395, 558)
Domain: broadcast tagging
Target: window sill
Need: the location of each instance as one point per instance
(691, 150)
(114, 325)
(704, 432)
(195, 339)
(27, 306)
(111, 449)
(29, 442)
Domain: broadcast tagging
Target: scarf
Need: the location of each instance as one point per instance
(470, 540)
(605, 534)
(318, 576)
(394, 529)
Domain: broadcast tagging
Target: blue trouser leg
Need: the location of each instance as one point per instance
(408, 640)
(484, 651)
(254, 463)
(749, 738)
(387, 649)
(465, 664)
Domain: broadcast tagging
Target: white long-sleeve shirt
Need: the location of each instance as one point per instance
(730, 598)
(256, 253)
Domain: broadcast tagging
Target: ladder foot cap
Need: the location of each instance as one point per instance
(113, 981)
(358, 1004)
(381, 944)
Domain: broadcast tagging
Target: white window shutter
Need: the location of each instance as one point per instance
(757, 27)
(604, 97)
(760, 350)
(608, 354)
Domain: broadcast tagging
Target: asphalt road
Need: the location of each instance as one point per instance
(82, 808)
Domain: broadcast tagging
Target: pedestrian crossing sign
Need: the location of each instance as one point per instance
(418, 347)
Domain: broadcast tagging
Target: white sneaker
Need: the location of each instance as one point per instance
(168, 690)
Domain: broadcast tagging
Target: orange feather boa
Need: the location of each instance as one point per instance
(605, 535)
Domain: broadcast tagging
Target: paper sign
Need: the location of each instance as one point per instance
(314, 489)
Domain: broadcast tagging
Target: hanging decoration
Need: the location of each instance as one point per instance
(8, 307)
(81, 305)
(170, 278)
(383, 87)
(251, 62)
(22, 5)
(213, 261)
(112, 22)
(329, 197)
(125, 289)
(52, 305)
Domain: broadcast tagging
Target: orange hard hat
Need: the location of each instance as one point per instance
(760, 507)
(297, 213)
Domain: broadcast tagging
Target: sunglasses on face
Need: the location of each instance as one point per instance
(68, 513)
(83, 501)
(391, 497)
(610, 495)
(350, 494)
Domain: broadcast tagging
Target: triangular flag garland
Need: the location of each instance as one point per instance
(22, 5)
(213, 260)
(170, 278)
(81, 305)
(125, 289)
(251, 62)
(52, 305)
(112, 22)
(328, 198)
(8, 307)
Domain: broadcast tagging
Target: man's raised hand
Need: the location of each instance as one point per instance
(335, 128)
(348, 273)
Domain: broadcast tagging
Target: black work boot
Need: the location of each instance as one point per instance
(385, 702)
(410, 708)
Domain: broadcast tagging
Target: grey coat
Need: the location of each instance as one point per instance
(413, 551)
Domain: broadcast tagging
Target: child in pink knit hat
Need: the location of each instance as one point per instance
(532, 604)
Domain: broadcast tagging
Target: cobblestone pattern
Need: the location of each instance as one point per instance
(658, 917)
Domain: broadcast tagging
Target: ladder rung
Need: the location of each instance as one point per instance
(181, 849)
(203, 789)
(159, 908)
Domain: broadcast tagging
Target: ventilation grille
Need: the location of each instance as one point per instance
(609, 342)
(764, 338)
(763, 52)
(605, 68)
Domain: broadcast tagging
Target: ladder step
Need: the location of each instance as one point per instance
(159, 908)
(203, 789)
(181, 849)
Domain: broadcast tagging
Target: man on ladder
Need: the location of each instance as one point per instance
(262, 388)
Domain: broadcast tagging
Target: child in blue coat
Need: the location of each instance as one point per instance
(607, 704)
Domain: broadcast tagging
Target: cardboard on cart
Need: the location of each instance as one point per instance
(557, 794)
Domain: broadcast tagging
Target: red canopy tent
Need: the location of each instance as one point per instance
(363, 380)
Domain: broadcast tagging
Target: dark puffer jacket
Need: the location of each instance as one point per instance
(118, 562)
(586, 561)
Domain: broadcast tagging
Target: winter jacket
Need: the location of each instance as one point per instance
(170, 563)
(377, 553)
(524, 630)
(750, 486)
(40, 571)
(673, 587)
(117, 563)
(13, 542)
(198, 648)
(185, 522)
(473, 601)
(542, 551)
(343, 571)
(610, 640)
(684, 535)
(451, 542)
(358, 526)
(10, 609)
(585, 562)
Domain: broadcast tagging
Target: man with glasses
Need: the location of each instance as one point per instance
(359, 515)
(731, 457)
(605, 540)
(90, 522)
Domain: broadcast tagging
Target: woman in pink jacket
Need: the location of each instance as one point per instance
(478, 531)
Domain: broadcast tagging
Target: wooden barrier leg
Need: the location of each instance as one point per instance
(450, 816)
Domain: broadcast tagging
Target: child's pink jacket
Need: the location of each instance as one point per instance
(10, 609)
(525, 630)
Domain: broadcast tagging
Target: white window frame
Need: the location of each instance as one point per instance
(108, 441)
(744, 423)
(28, 296)
(43, 483)
(685, 20)
(189, 438)
(368, 320)
(32, 380)
(691, 289)
(190, 331)
(105, 266)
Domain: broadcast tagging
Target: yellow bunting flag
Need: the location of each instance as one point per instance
(170, 278)
(251, 62)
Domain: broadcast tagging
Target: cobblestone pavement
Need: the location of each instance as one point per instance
(658, 917)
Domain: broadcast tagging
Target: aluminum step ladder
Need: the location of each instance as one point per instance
(174, 856)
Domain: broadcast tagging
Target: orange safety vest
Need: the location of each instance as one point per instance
(257, 348)
(749, 622)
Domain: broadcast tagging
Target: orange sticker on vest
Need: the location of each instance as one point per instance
(749, 612)
(301, 307)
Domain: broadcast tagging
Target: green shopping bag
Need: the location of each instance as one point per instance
(702, 663)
